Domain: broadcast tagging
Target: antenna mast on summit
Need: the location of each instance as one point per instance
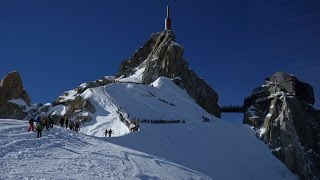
(167, 25)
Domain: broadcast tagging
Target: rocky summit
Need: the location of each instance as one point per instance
(14, 99)
(283, 116)
(162, 56)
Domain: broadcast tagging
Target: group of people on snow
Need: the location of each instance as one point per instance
(41, 123)
(48, 122)
(108, 133)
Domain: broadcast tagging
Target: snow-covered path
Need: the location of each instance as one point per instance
(105, 116)
(62, 154)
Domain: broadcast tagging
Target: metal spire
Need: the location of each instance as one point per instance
(167, 25)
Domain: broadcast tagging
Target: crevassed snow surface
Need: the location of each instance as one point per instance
(63, 154)
(215, 148)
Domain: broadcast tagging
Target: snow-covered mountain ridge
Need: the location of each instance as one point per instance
(117, 102)
(156, 104)
(214, 148)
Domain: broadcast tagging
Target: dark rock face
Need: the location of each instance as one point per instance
(161, 56)
(76, 107)
(11, 88)
(284, 117)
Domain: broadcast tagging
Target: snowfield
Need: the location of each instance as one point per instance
(63, 154)
(162, 100)
(215, 148)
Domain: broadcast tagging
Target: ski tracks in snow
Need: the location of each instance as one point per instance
(62, 154)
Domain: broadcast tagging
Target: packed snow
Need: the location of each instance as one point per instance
(136, 77)
(69, 95)
(215, 148)
(64, 154)
(59, 110)
(162, 100)
(105, 117)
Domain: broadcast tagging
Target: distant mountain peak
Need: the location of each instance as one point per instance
(13, 97)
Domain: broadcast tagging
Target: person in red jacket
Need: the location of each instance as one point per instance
(31, 126)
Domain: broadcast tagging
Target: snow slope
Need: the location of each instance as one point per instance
(139, 101)
(144, 102)
(105, 116)
(136, 77)
(63, 154)
(215, 148)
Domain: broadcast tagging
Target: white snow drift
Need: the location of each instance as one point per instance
(63, 154)
(214, 148)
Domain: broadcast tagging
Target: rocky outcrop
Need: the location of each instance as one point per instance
(281, 112)
(13, 97)
(162, 56)
(74, 107)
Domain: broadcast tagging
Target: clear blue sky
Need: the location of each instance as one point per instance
(233, 45)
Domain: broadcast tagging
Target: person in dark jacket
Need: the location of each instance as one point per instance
(77, 126)
(51, 122)
(67, 122)
(47, 125)
(61, 122)
(71, 125)
(110, 132)
(38, 119)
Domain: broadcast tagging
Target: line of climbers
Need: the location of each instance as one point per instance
(231, 107)
(47, 123)
(205, 119)
(117, 81)
(161, 121)
(151, 94)
(162, 100)
(132, 126)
